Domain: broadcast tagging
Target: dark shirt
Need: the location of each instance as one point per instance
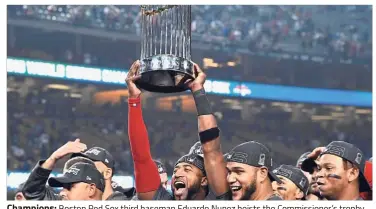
(35, 186)
(117, 196)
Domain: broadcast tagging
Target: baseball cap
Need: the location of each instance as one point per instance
(301, 159)
(161, 167)
(254, 154)
(295, 175)
(79, 172)
(197, 149)
(129, 192)
(352, 154)
(98, 154)
(308, 165)
(194, 160)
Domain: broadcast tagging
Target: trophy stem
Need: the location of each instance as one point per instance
(180, 32)
(189, 33)
(161, 34)
(166, 33)
(171, 31)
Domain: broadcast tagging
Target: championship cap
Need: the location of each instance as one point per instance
(197, 149)
(295, 175)
(193, 159)
(161, 167)
(129, 192)
(352, 154)
(98, 154)
(254, 154)
(79, 172)
(301, 159)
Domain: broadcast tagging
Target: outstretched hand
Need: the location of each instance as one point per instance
(132, 76)
(198, 82)
(69, 148)
(316, 152)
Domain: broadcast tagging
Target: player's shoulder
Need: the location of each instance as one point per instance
(225, 196)
(162, 194)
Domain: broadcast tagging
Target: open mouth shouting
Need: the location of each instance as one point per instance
(236, 192)
(180, 189)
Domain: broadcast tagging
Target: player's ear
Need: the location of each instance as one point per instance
(91, 189)
(107, 174)
(299, 194)
(262, 173)
(352, 174)
(204, 181)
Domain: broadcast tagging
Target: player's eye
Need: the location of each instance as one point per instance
(329, 168)
(239, 172)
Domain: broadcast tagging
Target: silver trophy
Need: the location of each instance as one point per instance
(165, 48)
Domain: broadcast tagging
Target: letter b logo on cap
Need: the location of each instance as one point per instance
(261, 159)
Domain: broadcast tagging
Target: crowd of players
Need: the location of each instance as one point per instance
(338, 171)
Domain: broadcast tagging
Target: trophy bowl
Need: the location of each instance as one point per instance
(165, 73)
(165, 60)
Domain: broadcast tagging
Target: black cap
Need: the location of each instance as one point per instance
(254, 154)
(308, 165)
(79, 172)
(295, 175)
(197, 149)
(193, 159)
(161, 167)
(98, 154)
(352, 154)
(129, 192)
(301, 159)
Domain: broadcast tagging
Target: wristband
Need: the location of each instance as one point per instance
(202, 103)
(209, 135)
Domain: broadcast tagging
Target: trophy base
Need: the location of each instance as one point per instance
(165, 74)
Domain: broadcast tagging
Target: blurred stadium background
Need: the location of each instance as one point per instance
(292, 77)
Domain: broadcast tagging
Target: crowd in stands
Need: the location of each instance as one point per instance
(343, 31)
(120, 54)
(40, 122)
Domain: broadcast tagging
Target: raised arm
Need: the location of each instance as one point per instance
(145, 171)
(35, 186)
(209, 136)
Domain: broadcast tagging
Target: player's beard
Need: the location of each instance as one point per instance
(193, 190)
(250, 189)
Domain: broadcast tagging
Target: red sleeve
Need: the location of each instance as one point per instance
(145, 171)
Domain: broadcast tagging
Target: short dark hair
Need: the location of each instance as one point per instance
(77, 159)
